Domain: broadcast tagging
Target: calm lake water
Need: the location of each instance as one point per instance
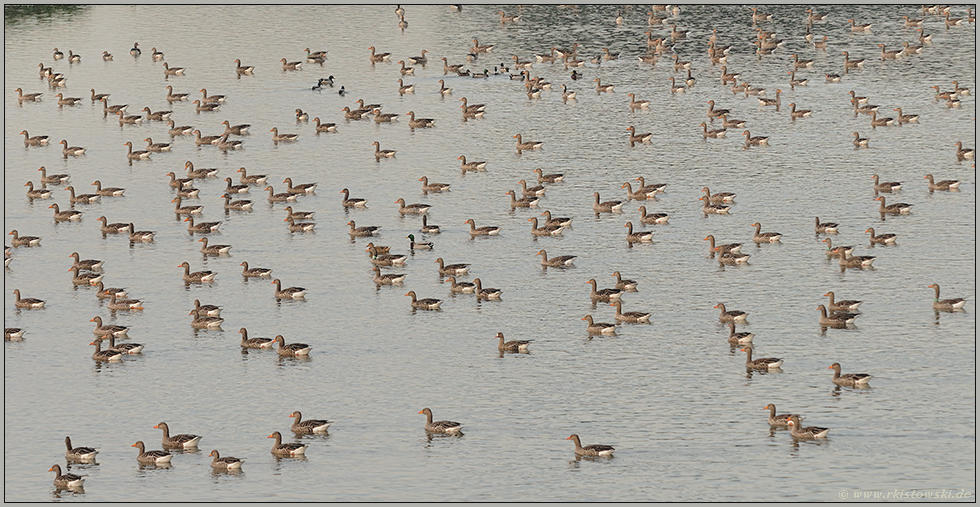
(673, 397)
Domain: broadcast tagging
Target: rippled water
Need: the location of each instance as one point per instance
(672, 397)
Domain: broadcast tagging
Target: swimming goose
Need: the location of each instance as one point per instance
(946, 304)
(899, 208)
(852, 64)
(156, 147)
(27, 97)
(106, 293)
(387, 279)
(722, 248)
(731, 315)
(379, 153)
(714, 113)
(825, 227)
(771, 102)
(142, 236)
(963, 153)
(859, 141)
(941, 185)
(254, 272)
(196, 276)
(604, 295)
(636, 237)
(607, 206)
(185, 210)
(623, 283)
(377, 57)
(451, 269)
(257, 179)
(179, 131)
(714, 133)
(70, 150)
(299, 227)
(419, 123)
(13, 333)
(107, 191)
(560, 261)
(425, 303)
(799, 113)
(485, 293)
(287, 449)
(674, 88)
(422, 59)
(236, 129)
(948, 22)
(368, 230)
(837, 251)
(433, 187)
(652, 218)
(836, 319)
(765, 363)
(959, 89)
(159, 115)
(756, 16)
(81, 198)
(105, 355)
(447, 427)
(287, 65)
(34, 140)
(67, 101)
(523, 202)
(243, 204)
(755, 141)
(809, 432)
(288, 292)
(636, 138)
(205, 321)
(206, 310)
(300, 426)
(78, 453)
(280, 197)
(764, 237)
(713, 208)
(883, 239)
(277, 137)
(242, 69)
(65, 215)
(887, 186)
(857, 27)
(206, 107)
(599, 87)
(632, 317)
(41, 193)
(324, 127)
(591, 450)
(599, 327)
(202, 140)
(731, 123)
(489, 230)
(846, 260)
(781, 420)
(86, 278)
(512, 346)
(66, 481)
(182, 441)
(545, 230)
(115, 228)
(821, 44)
(173, 97)
(738, 338)
(172, 71)
(202, 227)
(416, 208)
(28, 303)
(848, 305)
(226, 462)
(302, 188)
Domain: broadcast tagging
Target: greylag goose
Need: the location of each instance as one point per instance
(208, 310)
(171, 96)
(504, 18)
(755, 141)
(387, 279)
(844, 305)
(624, 284)
(203, 321)
(421, 59)
(78, 453)
(73, 151)
(324, 127)
(19, 240)
(225, 463)
(225, 145)
(756, 16)
(523, 202)
(285, 450)
(302, 188)
(27, 97)
(277, 137)
(798, 113)
(906, 118)
(548, 178)
(135, 50)
(637, 138)
(182, 130)
(425, 303)
(825, 227)
(963, 153)
(418, 123)
(959, 89)
(254, 272)
(172, 71)
(30, 140)
(87, 278)
(607, 206)
(185, 210)
(846, 260)
(848, 379)
(429, 229)
(713, 133)
(242, 204)
(300, 426)
(778, 421)
(202, 227)
(512, 346)
(765, 363)
(380, 154)
(808, 432)
(732, 257)
(599, 87)
(635, 237)
(941, 185)
(882, 239)
(288, 292)
(406, 71)
(432, 187)
(859, 27)
(67, 101)
(315, 56)
(103, 292)
(639, 104)
(293, 349)
(383, 118)
(447, 68)
(287, 65)
(159, 115)
(142, 236)
(443, 89)
(738, 338)
(713, 208)
(182, 441)
(206, 107)
(212, 98)
(254, 343)
(529, 145)
(887, 186)
(298, 215)
(946, 304)
(567, 95)
(242, 69)
(560, 221)
(447, 427)
(771, 102)
(200, 140)
(66, 481)
(415, 208)
(722, 248)
(546, 230)
(256, 179)
(89, 264)
(196, 276)
(470, 166)
(356, 114)
(235, 189)
(599, 327)
(851, 64)
(880, 122)
(486, 293)
(718, 197)
(725, 78)
(591, 450)
(237, 130)
(793, 82)
(560, 261)
(488, 230)
(367, 230)
(156, 55)
(836, 319)
(107, 191)
(764, 237)
(899, 208)
(731, 315)
(651, 188)
(633, 317)
(81, 198)
(65, 215)
(859, 141)
(299, 227)
(115, 228)
(376, 57)
(652, 218)
(832, 78)
(105, 355)
(13, 334)
(471, 114)
(280, 197)
(355, 202)
(452, 269)
(417, 245)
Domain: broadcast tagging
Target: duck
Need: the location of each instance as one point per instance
(546, 230)
(899, 208)
(607, 206)
(242, 205)
(946, 304)
(379, 153)
(103, 292)
(560, 261)
(280, 197)
(66, 481)
(225, 463)
(600, 88)
(78, 453)
(175, 97)
(65, 215)
(254, 343)
(308, 426)
(242, 69)
(859, 141)
(277, 137)
(368, 230)
(485, 293)
(809, 432)
(765, 363)
(846, 260)
(417, 245)
(599, 327)
(41, 193)
(593, 450)
(731, 315)
(836, 319)
(288, 449)
(87, 278)
(941, 185)
(781, 420)
(324, 127)
(482, 231)
(288, 292)
(738, 338)
(513, 346)
(635, 237)
(105, 355)
(425, 303)
(141, 236)
(632, 317)
(882, 239)
(196, 276)
(429, 229)
(172, 71)
(560, 221)
(287, 65)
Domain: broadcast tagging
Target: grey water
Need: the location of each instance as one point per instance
(673, 397)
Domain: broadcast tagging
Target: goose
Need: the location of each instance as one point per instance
(308, 426)
(41, 193)
(34, 140)
(107, 191)
(243, 204)
(427, 228)
(637, 138)
(367, 230)
(674, 88)
(887, 186)
(825, 227)
(756, 16)
(599, 87)
(452, 269)
(890, 55)
(607, 206)
(912, 23)
(299, 227)
(591, 450)
(738, 338)
(718, 197)
(714, 113)
(635, 237)
(651, 188)
(226, 462)
(847, 305)
(443, 89)
(78, 453)
(722, 248)
(547, 178)
(632, 317)
(379, 153)
(87, 278)
(425, 303)
(287, 65)
(141, 236)
(899, 208)
(471, 114)
(755, 141)
(422, 59)
(482, 231)
(677, 34)
(560, 261)
(732, 258)
(799, 113)
(883, 239)
(387, 279)
(832, 78)
(27, 303)
(206, 107)
(523, 202)
(237, 130)
(764, 237)
(946, 304)
(298, 215)
(105, 355)
(324, 127)
(836, 319)
(529, 145)
(65, 215)
(781, 420)
(202, 227)
(765, 363)
(257, 179)
(13, 333)
(175, 97)
(852, 64)
(941, 185)
(206, 310)
(182, 441)
(377, 57)
(302, 188)
(652, 218)
(418, 123)
(417, 245)
(771, 102)
(288, 449)
(355, 202)
(172, 71)
(846, 260)
(44, 71)
(159, 115)
(248, 272)
(57, 55)
(948, 22)
(288, 292)
(383, 118)
(202, 140)
(485, 293)
(604, 295)
(433, 187)
(280, 197)
(277, 137)
(416, 208)
(859, 141)
(725, 78)
(808, 432)
(512, 346)
(821, 44)
(731, 315)
(185, 210)
(156, 147)
(714, 133)
(447, 427)
(242, 69)
(182, 130)
(81, 198)
(555, 221)
(963, 153)
(57, 80)
(959, 89)
(66, 481)
(599, 327)
(710, 208)
(856, 27)
(731, 123)
(623, 283)
(837, 251)
(196, 276)
(908, 49)
(801, 64)
(74, 151)
(67, 101)
(447, 68)
(27, 97)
